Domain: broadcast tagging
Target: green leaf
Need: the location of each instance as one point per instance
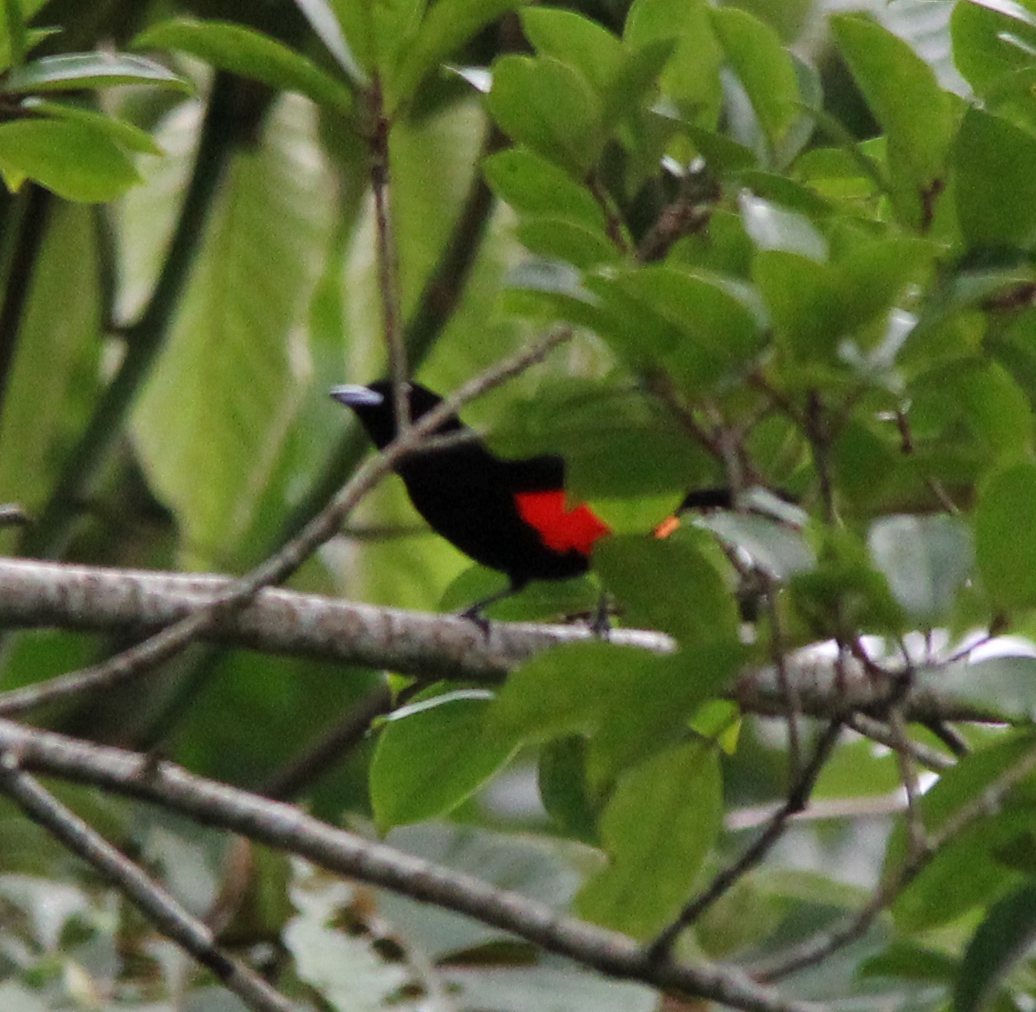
(549, 107)
(657, 829)
(563, 787)
(1001, 940)
(90, 70)
(433, 755)
(915, 113)
(534, 186)
(691, 77)
(803, 298)
(14, 29)
(1005, 537)
(764, 68)
(76, 161)
(558, 239)
(925, 559)
(573, 39)
(777, 548)
(126, 134)
(250, 54)
(447, 26)
(668, 584)
(1001, 213)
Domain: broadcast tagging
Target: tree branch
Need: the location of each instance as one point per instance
(153, 902)
(287, 828)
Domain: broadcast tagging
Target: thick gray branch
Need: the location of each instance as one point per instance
(287, 828)
(48, 594)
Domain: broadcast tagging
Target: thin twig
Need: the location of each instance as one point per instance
(816, 950)
(796, 802)
(780, 661)
(147, 896)
(879, 732)
(916, 837)
(288, 828)
(169, 641)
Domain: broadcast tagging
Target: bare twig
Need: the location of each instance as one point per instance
(154, 902)
(816, 950)
(165, 644)
(879, 732)
(795, 803)
(287, 828)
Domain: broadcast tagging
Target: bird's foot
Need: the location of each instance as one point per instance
(474, 614)
(602, 623)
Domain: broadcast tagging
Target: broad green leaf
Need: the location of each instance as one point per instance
(691, 77)
(534, 186)
(701, 326)
(777, 548)
(1004, 214)
(803, 298)
(925, 560)
(990, 50)
(657, 829)
(576, 40)
(907, 101)
(764, 68)
(447, 26)
(430, 760)
(210, 423)
(90, 70)
(76, 161)
(549, 107)
(567, 241)
(911, 962)
(1001, 940)
(126, 134)
(250, 54)
(1005, 537)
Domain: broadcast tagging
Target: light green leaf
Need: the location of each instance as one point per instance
(567, 241)
(126, 134)
(576, 40)
(327, 23)
(1003, 687)
(250, 54)
(76, 161)
(657, 829)
(432, 759)
(90, 70)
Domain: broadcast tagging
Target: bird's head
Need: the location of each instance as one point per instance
(374, 407)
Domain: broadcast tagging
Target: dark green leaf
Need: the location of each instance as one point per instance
(995, 192)
(1005, 536)
(925, 560)
(75, 161)
(664, 816)
(250, 54)
(563, 787)
(16, 36)
(432, 755)
(90, 70)
(567, 241)
(1003, 938)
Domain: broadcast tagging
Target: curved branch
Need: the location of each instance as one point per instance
(287, 828)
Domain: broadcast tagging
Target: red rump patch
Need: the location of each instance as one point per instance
(561, 530)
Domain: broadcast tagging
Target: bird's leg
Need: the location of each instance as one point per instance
(601, 624)
(474, 613)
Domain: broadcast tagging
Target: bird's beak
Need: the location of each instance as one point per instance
(355, 396)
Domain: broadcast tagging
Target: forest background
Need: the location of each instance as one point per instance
(784, 249)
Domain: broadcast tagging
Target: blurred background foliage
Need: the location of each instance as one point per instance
(795, 246)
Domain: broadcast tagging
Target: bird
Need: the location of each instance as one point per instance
(511, 515)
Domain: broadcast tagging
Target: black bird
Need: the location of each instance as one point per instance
(508, 515)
